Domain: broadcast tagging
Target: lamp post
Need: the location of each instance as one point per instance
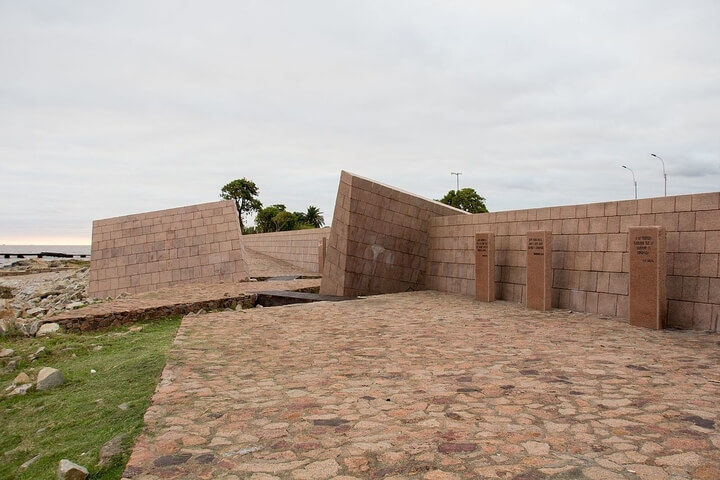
(457, 176)
(634, 181)
(664, 174)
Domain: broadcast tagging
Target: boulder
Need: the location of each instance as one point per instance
(29, 328)
(7, 352)
(74, 305)
(47, 329)
(22, 378)
(112, 448)
(49, 377)
(68, 470)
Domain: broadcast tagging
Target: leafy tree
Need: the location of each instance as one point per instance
(244, 192)
(466, 199)
(314, 217)
(275, 218)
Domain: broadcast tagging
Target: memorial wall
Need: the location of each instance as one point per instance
(148, 251)
(297, 247)
(591, 255)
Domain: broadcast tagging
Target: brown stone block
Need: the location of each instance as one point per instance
(539, 270)
(663, 204)
(683, 203)
(583, 260)
(691, 242)
(613, 225)
(598, 225)
(613, 262)
(607, 304)
(603, 284)
(674, 287)
(670, 221)
(686, 264)
(627, 207)
(695, 289)
(680, 314)
(647, 279)
(714, 290)
(707, 220)
(577, 300)
(686, 221)
(617, 242)
(601, 243)
(485, 267)
(591, 302)
(595, 210)
(597, 260)
(618, 283)
(709, 265)
(673, 241)
(706, 201)
(586, 243)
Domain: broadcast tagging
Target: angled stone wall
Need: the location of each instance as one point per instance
(590, 254)
(148, 251)
(297, 247)
(379, 239)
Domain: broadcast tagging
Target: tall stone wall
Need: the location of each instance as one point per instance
(297, 247)
(590, 254)
(148, 251)
(379, 239)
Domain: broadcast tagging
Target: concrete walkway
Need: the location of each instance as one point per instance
(432, 386)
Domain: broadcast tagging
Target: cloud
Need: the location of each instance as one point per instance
(112, 108)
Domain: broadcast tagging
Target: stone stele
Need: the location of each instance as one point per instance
(539, 270)
(485, 267)
(648, 277)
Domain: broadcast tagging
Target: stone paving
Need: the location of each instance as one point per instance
(427, 385)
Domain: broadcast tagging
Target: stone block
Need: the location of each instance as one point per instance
(647, 281)
(539, 270)
(485, 267)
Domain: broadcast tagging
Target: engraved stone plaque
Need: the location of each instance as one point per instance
(485, 267)
(648, 277)
(539, 270)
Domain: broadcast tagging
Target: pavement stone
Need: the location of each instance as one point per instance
(431, 385)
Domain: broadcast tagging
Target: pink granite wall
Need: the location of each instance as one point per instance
(378, 240)
(590, 254)
(297, 247)
(148, 251)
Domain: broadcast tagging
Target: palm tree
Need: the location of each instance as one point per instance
(314, 217)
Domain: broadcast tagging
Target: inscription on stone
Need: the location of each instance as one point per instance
(648, 271)
(485, 267)
(539, 270)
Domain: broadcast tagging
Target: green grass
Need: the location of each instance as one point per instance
(74, 420)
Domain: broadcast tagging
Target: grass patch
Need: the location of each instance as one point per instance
(75, 420)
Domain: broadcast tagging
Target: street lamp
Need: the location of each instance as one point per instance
(457, 176)
(664, 174)
(634, 181)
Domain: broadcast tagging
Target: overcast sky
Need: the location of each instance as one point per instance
(115, 107)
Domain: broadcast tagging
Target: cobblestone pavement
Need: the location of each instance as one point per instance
(426, 385)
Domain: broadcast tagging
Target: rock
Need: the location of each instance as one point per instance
(21, 389)
(25, 465)
(47, 329)
(123, 406)
(11, 366)
(7, 352)
(37, 354)
(6, 324)
(74, 305)
(29, 328)
(22, 378)
(6, 314)
(112, 447)
(137, 328)
(34, 312)
(49, 377)
(68, 470)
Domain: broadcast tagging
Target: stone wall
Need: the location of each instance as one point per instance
(148, 251)
(379, 239)
(590, 254)
(297, 247)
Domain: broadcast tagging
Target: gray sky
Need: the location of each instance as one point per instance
(111, 108)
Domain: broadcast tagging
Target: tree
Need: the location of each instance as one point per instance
(275, 218)
(314, 217)
(244, 193)
(466, 199)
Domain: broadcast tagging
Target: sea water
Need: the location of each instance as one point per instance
(35, 249)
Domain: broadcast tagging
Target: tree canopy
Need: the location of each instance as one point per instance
(465, 199)
(244, 192)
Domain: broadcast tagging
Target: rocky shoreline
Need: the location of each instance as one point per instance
(33, 289)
